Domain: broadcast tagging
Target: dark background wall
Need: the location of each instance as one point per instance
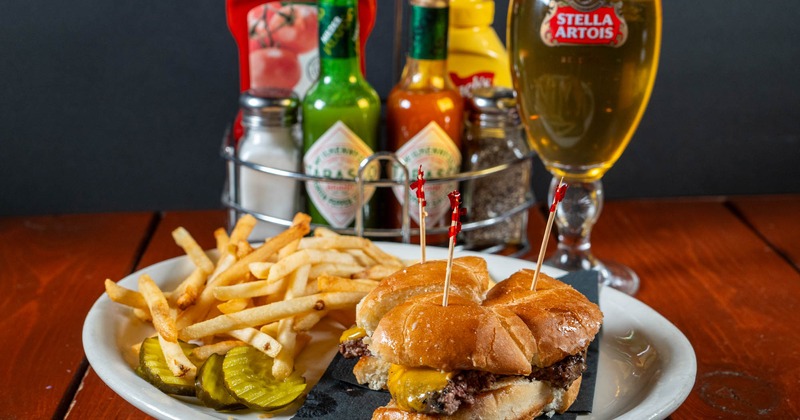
(113, 106)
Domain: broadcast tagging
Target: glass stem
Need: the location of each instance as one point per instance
(575, 217)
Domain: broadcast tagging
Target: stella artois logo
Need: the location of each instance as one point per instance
(584, 22)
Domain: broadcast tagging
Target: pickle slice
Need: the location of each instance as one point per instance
(155, 370)
(210, 386)
(248, 376)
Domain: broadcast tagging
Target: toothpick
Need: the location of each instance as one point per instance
(455, 228)
(419, 186)
(558, 195)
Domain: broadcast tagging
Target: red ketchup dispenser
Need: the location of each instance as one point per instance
(278, 40)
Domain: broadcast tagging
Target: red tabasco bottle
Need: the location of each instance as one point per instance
(425, 112)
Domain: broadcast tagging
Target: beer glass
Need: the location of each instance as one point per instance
(583, 71)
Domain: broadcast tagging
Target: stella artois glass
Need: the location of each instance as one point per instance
(583, 71)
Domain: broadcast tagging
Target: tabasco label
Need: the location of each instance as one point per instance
(439, 156)
(337, 154)
(584, 22)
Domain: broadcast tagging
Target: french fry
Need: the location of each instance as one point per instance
(263, 342)
(351, 242)
(248, 290)
(283, 365)
(193, 250)
(225, 262)
(142, 314)
(379, 255)
(376, 272)
(333, 242)
(242, 249)
(307, 321)
(342, 284)
(187, 292)
(300, 227)
(265, 314)
(159, 309)
(221, 347)
(271, 329)
(260, 270)
(307, 256)
(222, 239)
(244, 226)
(289, 249)
(329, 269)
(233, 305)
(361, 257)
(206, 300)
(178, 363)
(323, 232)
(297, 282)
(125, 296)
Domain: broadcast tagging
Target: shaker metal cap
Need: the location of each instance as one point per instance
(493, 103)
(269, 107)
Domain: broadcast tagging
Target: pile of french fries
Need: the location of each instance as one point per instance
(267, 296)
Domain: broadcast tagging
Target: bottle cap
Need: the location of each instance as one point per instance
(468, 13)
(269, 107)
(493, 105)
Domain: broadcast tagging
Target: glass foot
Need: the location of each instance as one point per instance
(619, 277)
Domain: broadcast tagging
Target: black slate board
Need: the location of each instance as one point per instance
(337, 395)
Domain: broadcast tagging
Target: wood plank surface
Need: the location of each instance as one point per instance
(53, 269)
(201, 225)
(776, 219)
(735, 299)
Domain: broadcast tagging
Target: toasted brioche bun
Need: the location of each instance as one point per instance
(469, 279)
(509, 399)
(460, 336)
(562, 320)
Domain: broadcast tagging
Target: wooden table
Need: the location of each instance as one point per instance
(725, 271)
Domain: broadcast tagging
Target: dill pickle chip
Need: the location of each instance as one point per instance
(154, 369)
(210, 387)
(248, 376)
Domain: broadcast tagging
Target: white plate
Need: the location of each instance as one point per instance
(647, 367)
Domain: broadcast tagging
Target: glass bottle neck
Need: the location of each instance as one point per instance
(426, 65)
(338, 41)
(419, 74)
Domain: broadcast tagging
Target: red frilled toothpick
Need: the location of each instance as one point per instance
(558, 195)
(419, 186)
(455, 228)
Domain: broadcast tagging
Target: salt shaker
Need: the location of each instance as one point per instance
(271, 139)
(495, 136)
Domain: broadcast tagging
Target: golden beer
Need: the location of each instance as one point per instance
(584, 71)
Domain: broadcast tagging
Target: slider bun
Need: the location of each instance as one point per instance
(461, 336)
(508, 399)
(562, 320)
(469, 279)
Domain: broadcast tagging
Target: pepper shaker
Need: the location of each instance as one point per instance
(495, 136)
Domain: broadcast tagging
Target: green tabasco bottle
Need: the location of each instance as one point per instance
(341, 113)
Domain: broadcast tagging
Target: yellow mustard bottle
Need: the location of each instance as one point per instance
(476, 57)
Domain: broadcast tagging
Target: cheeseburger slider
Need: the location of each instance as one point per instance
(512, 354)
(469, 279)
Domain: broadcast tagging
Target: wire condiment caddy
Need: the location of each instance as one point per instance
(231, 196)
